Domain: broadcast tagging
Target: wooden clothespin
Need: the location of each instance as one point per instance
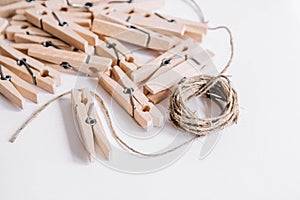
(148, 20)
(120, 55)
(180, 52)
(24, 38)
(67, 31)
(82, 63)
(193, 29)
(32, 70)
(133, 34)
(14, 88)
(190, 67)
(110, 5)
(124, 80)
(10, 9)
(24, 28)
(89, 123)
(125, 98)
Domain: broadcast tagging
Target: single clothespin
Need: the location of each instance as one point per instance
(46, 41)
(24, 28)
(133, 34)
(125, 98)
(124, 80)
(120, 55)
(168, 59)
(148, 20)
(80, 18)
(67, 31)
(89, 123)
(193, 29)
(82, 63)
(110, 5)
(190, 67)
(10, 9)
(37, 73)
(14, 88)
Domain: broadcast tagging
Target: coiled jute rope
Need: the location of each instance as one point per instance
(217, 89)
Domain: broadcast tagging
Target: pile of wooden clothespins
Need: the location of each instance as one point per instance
(50, 37)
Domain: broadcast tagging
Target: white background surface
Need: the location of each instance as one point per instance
(256, 159)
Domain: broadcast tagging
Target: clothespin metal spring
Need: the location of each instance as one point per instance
(87, 5)
(162, 17)
(67, 65)
(4, 77)
(167, 61)
(22, 62)
(130, 91)
(89, 120)
(50, 44)
(113, 46)
(136, 28)
(60, 23)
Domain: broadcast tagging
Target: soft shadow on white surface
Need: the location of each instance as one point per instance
(79, 154)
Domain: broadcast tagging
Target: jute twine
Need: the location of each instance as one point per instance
(217, 89)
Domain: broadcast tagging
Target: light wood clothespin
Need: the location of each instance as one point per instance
(67, 31)
(24, 38)
(194, 30)
(89, 123)
(148, 20)
(37, 73)
(180, 52)
(109, 5)
(24, 28)
(10, 9)
(120, 55)
(125, 98)
(82, 63)
(124, 80)
(133, 34)
(14, 88)
(191, 67)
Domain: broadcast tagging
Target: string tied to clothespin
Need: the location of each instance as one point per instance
(22, 62)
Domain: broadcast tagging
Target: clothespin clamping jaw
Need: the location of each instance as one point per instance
(14, 88)
(89, 124)
(131, 99)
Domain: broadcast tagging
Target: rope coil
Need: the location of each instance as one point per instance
(218, 89)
